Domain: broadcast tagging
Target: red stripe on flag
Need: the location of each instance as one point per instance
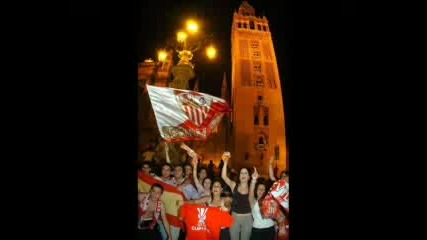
(188, 111)
(195, 116)
(199, 116)
(205, 112)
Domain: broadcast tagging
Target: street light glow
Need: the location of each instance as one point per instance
(192, 26)
(181, 36)
(162, 55)
(211, 52)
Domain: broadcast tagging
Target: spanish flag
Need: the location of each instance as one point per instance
(169, 197)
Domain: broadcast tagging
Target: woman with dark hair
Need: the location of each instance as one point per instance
(262, 229)
(203, 173)
(204, 187)
(216, 199)
(241, 209)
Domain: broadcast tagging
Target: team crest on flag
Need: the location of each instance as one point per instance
(194, 105)
(184, 115)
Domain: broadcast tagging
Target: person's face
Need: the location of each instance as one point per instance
(203, 174)
(244, 175)
(146, 169)
(207, 184)
(155, 193)
(178, 172)
(216, 188)
(166, 171)
(188, 170)
(260, 190)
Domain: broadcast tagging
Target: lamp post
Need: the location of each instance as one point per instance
(188, 44)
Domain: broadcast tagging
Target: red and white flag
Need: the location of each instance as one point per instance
(184, 115)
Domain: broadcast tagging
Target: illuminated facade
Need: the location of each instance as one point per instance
(258, 123)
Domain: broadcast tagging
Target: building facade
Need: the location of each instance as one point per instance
(258, 122)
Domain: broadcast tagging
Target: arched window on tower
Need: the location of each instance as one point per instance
(245, 25)
(264, 28)
(256, 115)
(259, 27)
(261, 142)
(239, 25)
(251, 25)
(259, 81)
(266, 119)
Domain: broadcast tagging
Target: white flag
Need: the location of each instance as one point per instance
(184, 115)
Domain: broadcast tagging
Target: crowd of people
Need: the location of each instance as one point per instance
(221, 204)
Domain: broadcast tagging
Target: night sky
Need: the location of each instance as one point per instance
(161, 22)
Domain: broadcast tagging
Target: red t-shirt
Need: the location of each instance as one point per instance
(202, 221)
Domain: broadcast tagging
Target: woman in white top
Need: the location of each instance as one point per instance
(262, 229)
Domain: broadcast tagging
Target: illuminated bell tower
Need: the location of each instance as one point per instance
(258, 122)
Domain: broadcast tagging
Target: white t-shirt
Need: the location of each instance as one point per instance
(260, 222)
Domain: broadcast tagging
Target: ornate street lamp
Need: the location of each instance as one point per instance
(188, 44)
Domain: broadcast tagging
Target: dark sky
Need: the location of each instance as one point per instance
(162, 18)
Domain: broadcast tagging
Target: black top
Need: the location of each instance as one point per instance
(240, 202)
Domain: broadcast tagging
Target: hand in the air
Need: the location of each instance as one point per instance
(226, 156)
(255, 174)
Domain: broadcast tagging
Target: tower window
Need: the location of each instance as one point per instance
(264, 28)
(239, 25)
(251, 25)
(256, 120)
(256, 116)
(259, 81)
(257, 67)
(256, 54)
(245, 25)
(259, 27)
(259, 99)
(266, 119)
(261, 140)
(254, 44)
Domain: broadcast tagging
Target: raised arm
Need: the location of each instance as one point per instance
(270, 169)
(195, 178)
(225, 157)
(167, 153)
(252, 199)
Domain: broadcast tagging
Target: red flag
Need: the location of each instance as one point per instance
(184, 115)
